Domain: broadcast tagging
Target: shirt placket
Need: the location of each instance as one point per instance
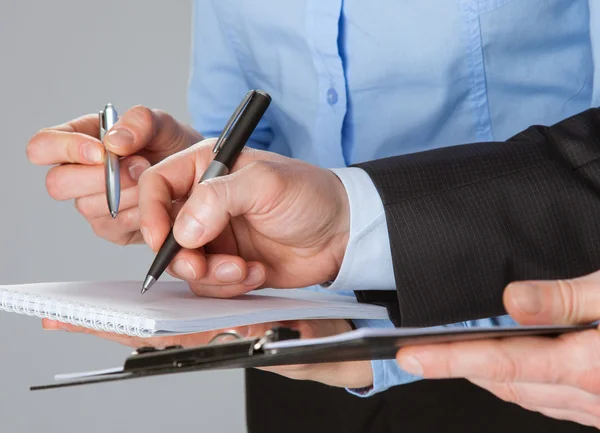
(322, 29)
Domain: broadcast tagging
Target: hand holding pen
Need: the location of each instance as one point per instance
(232, 140)
(74, 157)
(274, 221)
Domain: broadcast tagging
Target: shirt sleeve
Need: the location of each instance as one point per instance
(217, 81)
(367, 262)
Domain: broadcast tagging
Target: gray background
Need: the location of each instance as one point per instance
(60, 59)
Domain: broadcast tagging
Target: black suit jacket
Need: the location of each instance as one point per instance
(464, 221)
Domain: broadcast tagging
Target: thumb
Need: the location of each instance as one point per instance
(558, 302)
(213, 202)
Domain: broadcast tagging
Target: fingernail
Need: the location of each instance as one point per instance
(120, 138)
(527, 298)
(137, 168)
(183, 268)
(228, 273)
(92, 154)
(147, 236)
(411, 365)
(191, 230)
(255, 276)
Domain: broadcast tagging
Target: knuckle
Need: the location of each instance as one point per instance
(140, 115)
(210, 195)
(504, 368)
(264, 167)
(204, 147)
(163, 114)
(567, 292)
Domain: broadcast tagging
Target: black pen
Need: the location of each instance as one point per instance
(230, 143)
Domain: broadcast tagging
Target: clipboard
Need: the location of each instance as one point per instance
(283, 346)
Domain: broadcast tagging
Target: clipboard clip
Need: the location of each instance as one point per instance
(145, 358)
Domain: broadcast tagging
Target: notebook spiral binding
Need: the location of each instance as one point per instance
(75, 313)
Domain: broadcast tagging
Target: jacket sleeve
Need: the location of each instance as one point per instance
(464, 221)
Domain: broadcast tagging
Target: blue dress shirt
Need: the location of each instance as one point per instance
(356, 80)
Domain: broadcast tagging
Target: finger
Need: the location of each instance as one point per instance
(216, 275)
(54, 325)
(166, 182)
(550, 396)
(185, 340)
(567, 360)
(67, 182)
(569, 415)
(95, 206)
(559, 302)
(350, 374)
(153, 131)
(158, 187)
(73, 142)
(188, 265)
(87, 124)
(214, 202)
(249, 276)
(123, 230)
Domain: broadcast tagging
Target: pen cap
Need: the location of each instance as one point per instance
(243, 128)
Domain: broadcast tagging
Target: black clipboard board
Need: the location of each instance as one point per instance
(283, 346)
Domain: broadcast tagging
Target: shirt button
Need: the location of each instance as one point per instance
(332, 96)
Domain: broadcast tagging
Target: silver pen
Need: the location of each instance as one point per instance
(108, 117)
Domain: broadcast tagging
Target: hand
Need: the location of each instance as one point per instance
(142, 136)
(273, 222)
(342, 374)
(557, 377)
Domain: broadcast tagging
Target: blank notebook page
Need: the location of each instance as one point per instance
(170, 307)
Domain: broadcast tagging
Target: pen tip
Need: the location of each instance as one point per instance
(113, 214)
(148, 282)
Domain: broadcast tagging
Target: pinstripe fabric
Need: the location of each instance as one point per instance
(465, 221)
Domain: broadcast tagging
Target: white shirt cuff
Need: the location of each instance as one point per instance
(367, 263)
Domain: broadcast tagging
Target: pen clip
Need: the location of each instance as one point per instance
(232, 120)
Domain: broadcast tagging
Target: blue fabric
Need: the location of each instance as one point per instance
(356, 80)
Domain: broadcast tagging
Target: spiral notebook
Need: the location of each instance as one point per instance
(171, 308)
